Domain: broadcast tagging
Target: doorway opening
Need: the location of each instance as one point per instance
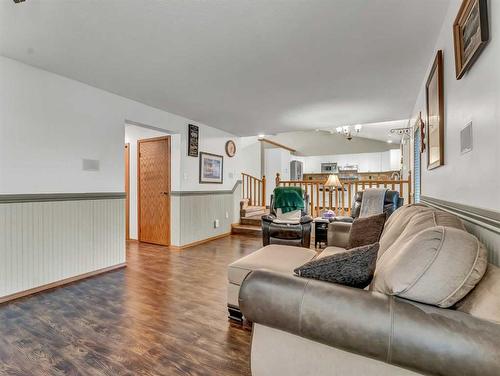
(147, 184)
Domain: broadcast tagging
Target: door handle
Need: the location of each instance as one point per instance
(164, 193)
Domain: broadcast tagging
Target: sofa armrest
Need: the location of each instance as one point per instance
(338, 234)
(415, 336)
(343, 218)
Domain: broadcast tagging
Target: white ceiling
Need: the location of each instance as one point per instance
(375, 131)
(249, 67)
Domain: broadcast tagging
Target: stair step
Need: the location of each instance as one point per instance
(253, 220)
(246, 230)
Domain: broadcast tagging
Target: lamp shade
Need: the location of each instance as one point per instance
(333, 181)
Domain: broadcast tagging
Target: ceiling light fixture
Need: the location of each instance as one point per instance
(261, 136)
(347, 132)
(19, 1)
(389, 141)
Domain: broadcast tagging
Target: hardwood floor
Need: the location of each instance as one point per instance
(165, 314)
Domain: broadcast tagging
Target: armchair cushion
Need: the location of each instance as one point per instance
(354, 267)
(366, 230)
(338, 234)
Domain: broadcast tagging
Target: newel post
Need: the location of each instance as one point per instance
(263, 190)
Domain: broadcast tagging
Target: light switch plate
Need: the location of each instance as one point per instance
(466, 138)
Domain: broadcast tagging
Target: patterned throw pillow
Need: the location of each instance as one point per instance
(366, 230)
(354, 267)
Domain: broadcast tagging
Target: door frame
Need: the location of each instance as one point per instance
(127, 190)
(169, 190)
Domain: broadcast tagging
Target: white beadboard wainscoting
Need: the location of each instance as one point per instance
(197, 211)
(45, 239)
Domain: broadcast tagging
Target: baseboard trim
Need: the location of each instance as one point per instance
(189, 245)
(62, 282)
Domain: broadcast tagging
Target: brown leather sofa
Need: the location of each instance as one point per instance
(308, 327)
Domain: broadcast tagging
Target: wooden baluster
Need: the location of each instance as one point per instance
(317, 199)
(242, 185)
(255, 192)
(343, 199)
(259, 189)
(336, 200)
(324, 194)
(330, 198)
(401, 188)
(349, 198)
(251, 192)
(264, 190)
(392, 185)
(311, 197)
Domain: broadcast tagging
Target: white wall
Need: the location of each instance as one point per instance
(472, 178)
(48, 123)
(276, 161)
(250, 156)
(367, 162)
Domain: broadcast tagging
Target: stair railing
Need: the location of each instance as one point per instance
(340, 199)
(253, 189)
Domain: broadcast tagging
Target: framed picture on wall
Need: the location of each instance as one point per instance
(435, 114)
(193, 140)
(470, 34)
(211, 168)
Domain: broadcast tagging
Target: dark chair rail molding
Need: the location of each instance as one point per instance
(201, 193)
(488, 219)
(47, 197)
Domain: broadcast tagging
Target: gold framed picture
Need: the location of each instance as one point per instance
(434, 90)
(470, 34)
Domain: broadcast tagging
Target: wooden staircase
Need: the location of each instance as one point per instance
(252, 207)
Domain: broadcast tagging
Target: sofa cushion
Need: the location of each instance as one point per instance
(280, 258)
(397, 222)
(438, 266)
(353, 267)
(416, 219)
(484, 300)
(328, 251)
(366, 230)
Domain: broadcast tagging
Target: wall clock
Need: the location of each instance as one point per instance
(230, 148)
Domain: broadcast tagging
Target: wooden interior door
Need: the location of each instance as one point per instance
(127, 191)
(153, 191)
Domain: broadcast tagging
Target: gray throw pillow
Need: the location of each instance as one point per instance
(354, 267)
(366, 230)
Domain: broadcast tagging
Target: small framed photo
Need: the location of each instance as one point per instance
(211, 168)
(470, 34)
